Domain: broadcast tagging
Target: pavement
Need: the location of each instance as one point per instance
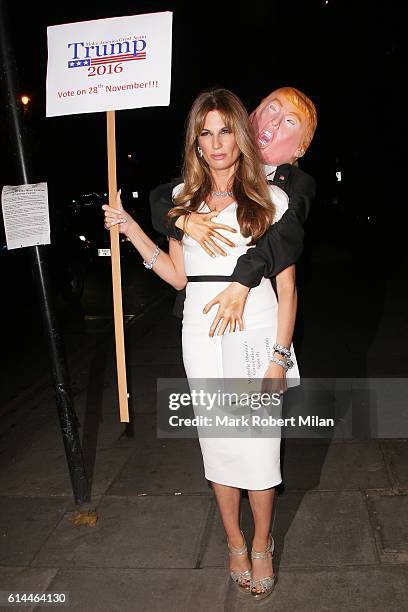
(341, 519)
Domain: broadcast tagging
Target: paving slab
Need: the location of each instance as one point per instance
(142, 397)
(100, 426)
(396, 454)
(39, 427)
(142, 427)
(19, 425)
(215, 553)
(310, 464)
(312, 529)
(142, 532)
(160, 466)
(124, 590)
(106, 433)
(379, 404)
(323, 528)
(390, 513)
(100, 431)
(25, 524)
(351, 590)
(29, 473)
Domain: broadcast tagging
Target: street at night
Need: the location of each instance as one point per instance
(115, 515)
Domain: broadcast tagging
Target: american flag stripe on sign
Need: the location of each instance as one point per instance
(115, 59)
(110, 59)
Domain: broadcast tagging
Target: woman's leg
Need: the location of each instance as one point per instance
(228, 500)
(262, 506)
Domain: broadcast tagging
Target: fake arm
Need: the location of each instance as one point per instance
(282, 245)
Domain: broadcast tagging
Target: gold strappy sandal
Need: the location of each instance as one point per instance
(241, 577)
(267, 584)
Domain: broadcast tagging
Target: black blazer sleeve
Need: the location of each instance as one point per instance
(160, 204)
(282, 244)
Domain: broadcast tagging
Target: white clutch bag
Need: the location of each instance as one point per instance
(246, 355)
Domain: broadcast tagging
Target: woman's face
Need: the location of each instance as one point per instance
(218, 143)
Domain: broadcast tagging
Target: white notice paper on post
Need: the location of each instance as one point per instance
(109, 64)
(246, 356)
(25, 214)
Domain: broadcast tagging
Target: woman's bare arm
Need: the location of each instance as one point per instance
(170, 267)
(287, 307)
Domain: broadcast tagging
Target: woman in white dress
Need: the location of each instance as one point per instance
(222, 172)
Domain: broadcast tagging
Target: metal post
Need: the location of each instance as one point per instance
(66, 413)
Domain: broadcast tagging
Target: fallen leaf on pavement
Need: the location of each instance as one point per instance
(84, 518)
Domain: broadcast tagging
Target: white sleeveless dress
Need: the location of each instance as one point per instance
(246, 463)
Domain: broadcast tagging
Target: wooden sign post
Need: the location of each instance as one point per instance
(116, 275)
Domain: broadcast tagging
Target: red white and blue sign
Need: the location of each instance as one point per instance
(109, 64)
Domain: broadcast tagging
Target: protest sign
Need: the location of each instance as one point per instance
(108, 65)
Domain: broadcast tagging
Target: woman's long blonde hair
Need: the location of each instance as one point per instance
(255, 210)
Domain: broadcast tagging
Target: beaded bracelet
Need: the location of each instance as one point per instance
(280, 362)
(282, 350)
(285, 362)
(149, 265)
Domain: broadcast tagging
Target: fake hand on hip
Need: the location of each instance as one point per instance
(231, 303)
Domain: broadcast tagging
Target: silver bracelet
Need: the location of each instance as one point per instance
(149, 265)
(280, 362)
(279, 348)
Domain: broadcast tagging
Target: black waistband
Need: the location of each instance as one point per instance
(209, 278)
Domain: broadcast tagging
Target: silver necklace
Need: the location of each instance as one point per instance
(222, 194)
